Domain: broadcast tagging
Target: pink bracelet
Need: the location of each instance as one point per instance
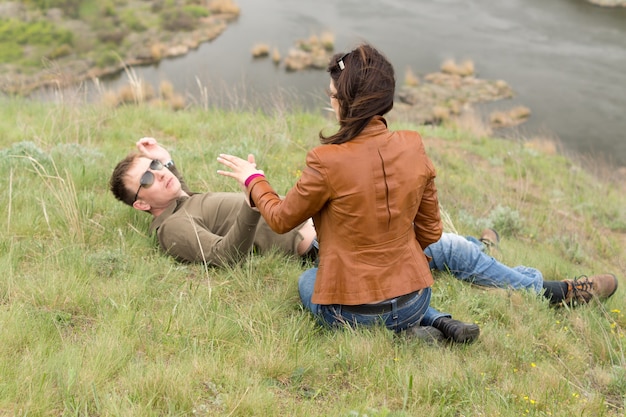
(251, 177)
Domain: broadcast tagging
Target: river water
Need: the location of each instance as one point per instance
(565, 59)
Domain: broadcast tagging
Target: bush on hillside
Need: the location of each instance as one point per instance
(112, 36)
(197, 11)
(178, 20)
(33, 33)
(71, 8)
(60, 51)
(10, 51)
(132, 21)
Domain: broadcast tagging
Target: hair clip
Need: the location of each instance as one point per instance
(342, 66)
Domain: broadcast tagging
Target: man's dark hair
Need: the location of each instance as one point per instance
(116, 183)
(365, 84)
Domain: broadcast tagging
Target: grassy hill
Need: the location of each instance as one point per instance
(94, 320)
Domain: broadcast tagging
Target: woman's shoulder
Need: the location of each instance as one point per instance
(329, 152)
(409, 134)
(410, 138)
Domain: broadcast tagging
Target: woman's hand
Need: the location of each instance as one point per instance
(240, 169)
(149, 148)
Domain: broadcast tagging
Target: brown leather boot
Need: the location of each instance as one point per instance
(490, 238)
(583, 289)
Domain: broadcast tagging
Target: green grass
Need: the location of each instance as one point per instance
(94, 320)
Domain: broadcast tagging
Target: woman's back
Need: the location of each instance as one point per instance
(374, 187)
(376, 184)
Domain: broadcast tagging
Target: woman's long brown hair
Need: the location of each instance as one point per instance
(365, 88)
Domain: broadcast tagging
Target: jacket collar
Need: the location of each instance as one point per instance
(169, 210)
(376, 126)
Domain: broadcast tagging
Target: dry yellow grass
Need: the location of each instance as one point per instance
(544, 145)
(410, 78)
(224, 6)
(470, 121)
(327, 40)
(464, 69)
(260, 50)
(441, 113)
(512, 117)
(166, 89)
(156, 51)
(276, 56)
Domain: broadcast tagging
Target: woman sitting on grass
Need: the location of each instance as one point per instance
(372, 196)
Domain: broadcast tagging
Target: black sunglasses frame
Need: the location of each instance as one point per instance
(147, 179)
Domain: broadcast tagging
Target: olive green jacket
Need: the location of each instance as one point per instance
(216, 228)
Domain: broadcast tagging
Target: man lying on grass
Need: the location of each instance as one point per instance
(220, 229)
(215, 228)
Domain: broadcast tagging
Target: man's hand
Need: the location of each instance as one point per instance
(149, 148)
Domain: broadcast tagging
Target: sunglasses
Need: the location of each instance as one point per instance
(147, 179)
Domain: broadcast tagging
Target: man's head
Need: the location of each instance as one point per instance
(144, 184)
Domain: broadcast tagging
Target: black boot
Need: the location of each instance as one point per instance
(457, 331)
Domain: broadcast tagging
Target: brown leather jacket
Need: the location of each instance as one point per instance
(374, 204)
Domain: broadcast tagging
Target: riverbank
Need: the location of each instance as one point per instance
(51, 47)
(608, 3)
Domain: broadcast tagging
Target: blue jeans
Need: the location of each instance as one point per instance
(464, 257)
(416, 312)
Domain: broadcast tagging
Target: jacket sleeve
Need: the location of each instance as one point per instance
(186, 239)
(305, 199)
(427, 224)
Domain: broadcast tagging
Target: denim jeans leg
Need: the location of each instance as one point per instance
(465, 260)
(477, 242)
(408, 315)
(403, 317)
(306, 284)
(431, 315)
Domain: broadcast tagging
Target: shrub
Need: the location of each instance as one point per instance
(107, 59)
(33, 33)
(157, 6)
(176, 20)
(70, 8)
(197, 11)
(132, 21)
(224, 6)
(506, 221)
(22, 153)
(108, 9)
(10, 51)
(60, 51)
(114, 36)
